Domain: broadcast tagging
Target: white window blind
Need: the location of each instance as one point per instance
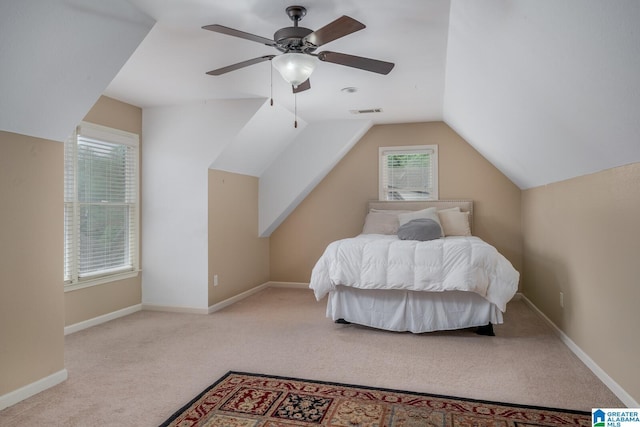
(408, 172)
(101, 203)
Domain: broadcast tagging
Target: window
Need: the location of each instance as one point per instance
(409, 173)
(100, 206)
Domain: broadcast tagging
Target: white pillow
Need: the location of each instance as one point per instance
(455, 223)
(456, 209)
(380, 223)
(429, 213)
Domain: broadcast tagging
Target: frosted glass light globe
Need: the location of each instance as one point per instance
(295, 68)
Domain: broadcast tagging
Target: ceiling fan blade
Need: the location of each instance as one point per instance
(367, 64)
(334, 30)
(239, 65)
(305, 85)
(237, 33)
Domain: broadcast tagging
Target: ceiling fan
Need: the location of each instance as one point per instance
(298, 44)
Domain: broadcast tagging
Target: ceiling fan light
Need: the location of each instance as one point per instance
(295, 68)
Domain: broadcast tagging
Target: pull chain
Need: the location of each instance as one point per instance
(295, 110)
(271, 67)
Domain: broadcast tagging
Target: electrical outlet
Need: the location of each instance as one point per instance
(215, 280)
(562, 299)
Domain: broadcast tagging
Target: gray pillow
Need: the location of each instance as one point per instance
(420, 229)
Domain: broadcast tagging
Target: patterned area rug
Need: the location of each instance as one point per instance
(252, 400)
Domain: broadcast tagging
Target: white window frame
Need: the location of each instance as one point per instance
(91, 131)
(432, 150)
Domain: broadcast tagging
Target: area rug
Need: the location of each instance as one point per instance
(254, 400)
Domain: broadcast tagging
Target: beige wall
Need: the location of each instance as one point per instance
(31, 260)
(582, 238)
(336, 207)
(236, 254)
(579, 236)
(87, 303)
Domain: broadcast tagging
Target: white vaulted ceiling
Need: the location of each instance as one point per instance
(58, 56)
(170, 65)
(545, 90)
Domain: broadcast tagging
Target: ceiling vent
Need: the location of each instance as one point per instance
(370, 110)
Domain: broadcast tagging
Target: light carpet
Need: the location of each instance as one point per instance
(137, 370)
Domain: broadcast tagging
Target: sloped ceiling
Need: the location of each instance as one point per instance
(242, 155)
(546, 91)
(169, 67)
(58, 56)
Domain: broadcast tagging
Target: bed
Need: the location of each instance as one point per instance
(430, 278)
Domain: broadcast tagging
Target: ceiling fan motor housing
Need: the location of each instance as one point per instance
(289, 39)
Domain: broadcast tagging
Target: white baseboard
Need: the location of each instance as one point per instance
(174, 309)
(29, 390)
(101, 319)
(291, 285)
(34, 388)
(625, 397)
(239, 297)
(222, 304)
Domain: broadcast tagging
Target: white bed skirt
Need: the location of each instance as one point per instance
(397, 310)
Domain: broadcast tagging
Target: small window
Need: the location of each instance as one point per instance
(100, 205)
(409, 172)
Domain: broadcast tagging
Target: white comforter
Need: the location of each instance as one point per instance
(375, 261)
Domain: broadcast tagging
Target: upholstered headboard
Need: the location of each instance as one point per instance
(464, 205)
